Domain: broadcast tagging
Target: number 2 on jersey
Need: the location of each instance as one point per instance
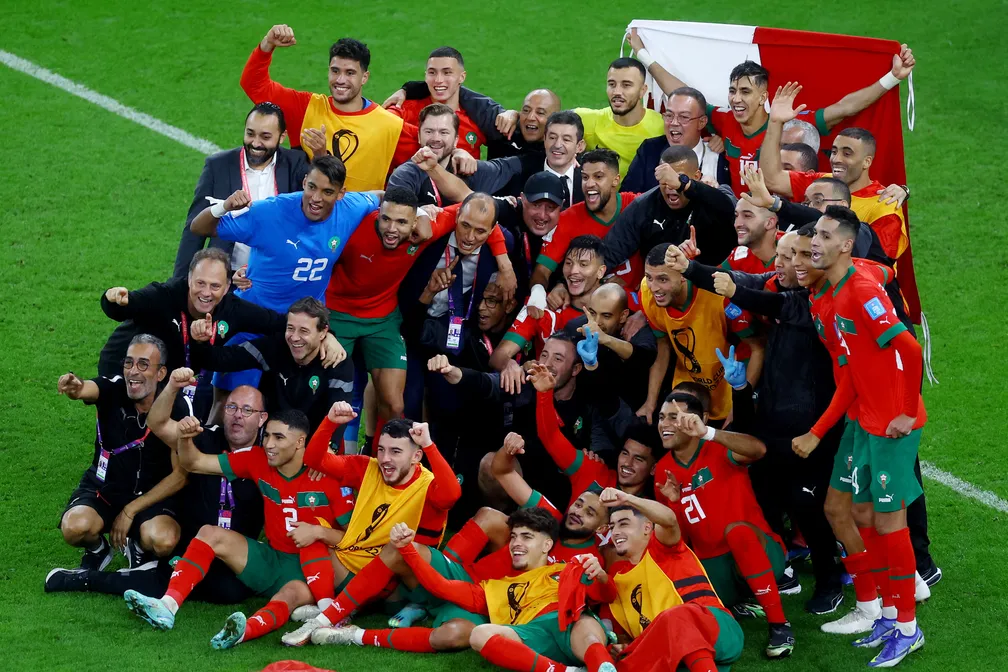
(310, 269)
(692, 505)
(291, 520)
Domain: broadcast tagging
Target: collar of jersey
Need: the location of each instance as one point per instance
(686, 304)
(844, 279)
(619, 209)
(303, 469)
(692, 459)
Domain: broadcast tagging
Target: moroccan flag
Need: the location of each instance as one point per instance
(827, 66)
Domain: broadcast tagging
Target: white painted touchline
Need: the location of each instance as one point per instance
(964, 488)
(113, 106)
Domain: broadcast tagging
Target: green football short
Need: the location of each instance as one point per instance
(542, 634)
(268, 570)
(727, 578)
(729, 642)
(442, 611)
(884, 470)
(843, 463)
(379, 338)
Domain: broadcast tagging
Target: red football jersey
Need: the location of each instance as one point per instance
(525, 330)
(865, 323)
(578, 221)
(741, 150)
(470, 137)
(287, 501)
(715, 491)
(365, 281)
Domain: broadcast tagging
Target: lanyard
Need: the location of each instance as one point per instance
(121, 449)
(241, 170)
(185, 337)
(472, 294)
(528, 250)
(488, 345)
(437, 194)
(226, 494)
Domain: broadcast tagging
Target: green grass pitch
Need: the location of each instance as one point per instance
(89, 200)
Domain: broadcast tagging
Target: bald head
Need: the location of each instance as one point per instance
(784, 261)
(538, 105)
(608, 307)
(241, 431)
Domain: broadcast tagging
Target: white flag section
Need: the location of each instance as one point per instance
(700, 54)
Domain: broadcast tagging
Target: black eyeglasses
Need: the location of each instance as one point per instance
(683, 118)
(816, 200)
(141, 364)
(247, 411)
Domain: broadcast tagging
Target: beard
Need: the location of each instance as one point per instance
(257, 158)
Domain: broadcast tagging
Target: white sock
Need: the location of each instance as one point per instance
(907, 628)
(98, 546)
(358, 637)
(889, 613)
(323, 621)
(324, 603)
(871, 608)
(170, 604)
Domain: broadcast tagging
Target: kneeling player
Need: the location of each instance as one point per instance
(711, 490)
(274, 568)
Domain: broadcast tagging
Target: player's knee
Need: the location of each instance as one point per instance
(479, 636)
(391, 404)
(210, 535)
(80, 524)
(159, 536)
(294, 594)
(452, 636)
(836, 510)
(863, 515)
(489, 518)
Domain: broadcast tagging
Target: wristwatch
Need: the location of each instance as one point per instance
(684, 181)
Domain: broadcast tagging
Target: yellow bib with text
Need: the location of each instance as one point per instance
(366, 141)
(380, 506)
(643, 593)
(519, 599)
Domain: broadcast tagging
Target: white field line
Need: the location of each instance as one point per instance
(113, 106)
(952, 481)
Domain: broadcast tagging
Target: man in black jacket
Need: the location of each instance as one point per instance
(260, 166)
(667, 214)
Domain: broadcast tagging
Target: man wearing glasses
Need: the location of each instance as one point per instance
(127, 491)
(685, 117)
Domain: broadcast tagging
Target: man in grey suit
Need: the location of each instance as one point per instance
(260, 166)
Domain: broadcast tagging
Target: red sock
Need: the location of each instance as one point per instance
(377, 434)
(752, 560)
(368, 584)
(876, 548)
(415, 640)
(859, 568)
(512, 655)
(701, 661)
(316, 565)
(190, 570)
(595, 656)
(902, 566)
(269, 618)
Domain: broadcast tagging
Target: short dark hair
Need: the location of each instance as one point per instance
(567, 118)
(839, 187)
(267, 108)
(759, 75)
(628, 62)
(656, 257)
(312, 307)
(293, 418)
(332, 167)
(536, 519)
(644, 434)
(674, 154)
(692, 404)
(588, 243)
(213, 254)
(695, 94)
(151, 340)
(602, 155)
(351, 49)
(626, 507)
(809, 160)
(807, 231)
(400, 196)
(448, 52)
(565, 337)
(845, 218)
(438, 110)
(398, 428)
(697, 390)
(862, 134)
(487, 201)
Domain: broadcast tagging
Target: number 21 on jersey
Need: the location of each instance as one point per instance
(692, 509)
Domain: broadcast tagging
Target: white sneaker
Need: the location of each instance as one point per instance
(344, 636)
(855, 621)
(302, 635)
(305, 612)
(922, 591)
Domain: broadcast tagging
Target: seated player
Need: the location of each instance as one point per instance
(704, 479)
(635, 465)
(292, 565)
(523, 633)
(127, 461)
(294, 373)
(657, 592)
(392, 487)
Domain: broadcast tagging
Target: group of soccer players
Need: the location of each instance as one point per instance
(631, 354)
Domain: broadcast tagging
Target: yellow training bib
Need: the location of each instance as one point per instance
(380, 506)
(644, 592)
(519, 599)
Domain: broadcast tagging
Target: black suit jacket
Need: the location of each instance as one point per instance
(530, 165)
(220, 178)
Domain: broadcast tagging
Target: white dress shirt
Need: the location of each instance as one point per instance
(568, 179)
(708, 160)
(439, 305)
(261, 185)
